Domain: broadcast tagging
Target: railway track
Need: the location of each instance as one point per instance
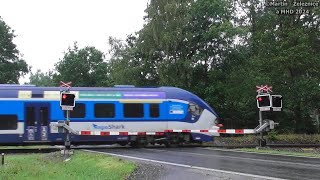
(28, 150)
(59, 148)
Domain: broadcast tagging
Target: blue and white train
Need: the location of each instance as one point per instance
(27, 112)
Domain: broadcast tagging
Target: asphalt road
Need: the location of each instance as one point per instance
(209, 163)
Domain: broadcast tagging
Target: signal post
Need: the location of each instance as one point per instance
(67, 103)
(266, 102)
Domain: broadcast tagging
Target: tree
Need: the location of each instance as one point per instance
(128, 64)
(282, 51)
(84, 67)
(222, 49)
(183, 40)
(12, 67)
(42, 79)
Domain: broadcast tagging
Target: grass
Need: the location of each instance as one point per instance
(280, 152)
(83, 165)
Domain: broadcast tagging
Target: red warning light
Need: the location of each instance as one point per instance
(64, 96)
(259, 98)
(67, 99)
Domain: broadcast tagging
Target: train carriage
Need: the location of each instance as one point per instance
(27, 113)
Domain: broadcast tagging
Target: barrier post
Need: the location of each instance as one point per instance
(2, 159)
(67, 140)
(67, 103)
(262, 142)
(264, 103)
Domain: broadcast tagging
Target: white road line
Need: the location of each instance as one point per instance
(288, 155)
(250, 159)
(187, 166)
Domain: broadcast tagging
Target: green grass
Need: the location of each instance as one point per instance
(83, 165)
(280, 152)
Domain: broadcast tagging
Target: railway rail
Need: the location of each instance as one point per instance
(59, 148)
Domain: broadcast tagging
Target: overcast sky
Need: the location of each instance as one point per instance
(46, 28)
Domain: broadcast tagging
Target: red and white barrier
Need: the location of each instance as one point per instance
(221, 131)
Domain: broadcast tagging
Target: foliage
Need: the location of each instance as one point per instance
(236, 141)
(284, 54)
(125, 66)
(42, 79)
(294, 138)
(272, 138)
(84, 67)
(219, 50)
(12, 66)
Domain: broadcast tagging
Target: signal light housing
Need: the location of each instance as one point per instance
(264, 101)
(277, 101)
(67, 99)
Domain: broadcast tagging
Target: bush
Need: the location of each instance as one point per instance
(293, 138)
(272, 138)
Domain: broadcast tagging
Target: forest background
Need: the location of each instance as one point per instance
(219, 50)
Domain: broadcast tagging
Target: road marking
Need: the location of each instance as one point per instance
(250, 159)
(187, 166)
(229, 150)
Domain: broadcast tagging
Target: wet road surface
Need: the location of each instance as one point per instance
(209, 163)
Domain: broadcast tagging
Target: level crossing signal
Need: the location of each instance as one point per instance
(276, 102)
(67, 99)
(267, 101)
(264, 101)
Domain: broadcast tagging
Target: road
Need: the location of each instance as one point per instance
(209, 163)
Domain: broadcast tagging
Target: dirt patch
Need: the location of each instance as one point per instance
(147, 171)
(55, 157)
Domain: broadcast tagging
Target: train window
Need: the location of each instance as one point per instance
(133, 110)
(154, 110)
(79, 111)
(8, 122)
(30, 116)
(104, 110)
(195, 109)
(44, 115)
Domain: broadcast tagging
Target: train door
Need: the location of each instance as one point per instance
(37, 121)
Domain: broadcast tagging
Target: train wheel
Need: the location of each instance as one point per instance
(122, 143)
(171, 145)
(172, 140)
(139, 142)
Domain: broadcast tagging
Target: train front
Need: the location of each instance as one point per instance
(202, 119)
(205, 119)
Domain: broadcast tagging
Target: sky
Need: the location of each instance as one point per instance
(46, 28)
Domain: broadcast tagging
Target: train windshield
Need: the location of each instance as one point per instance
(195, 109)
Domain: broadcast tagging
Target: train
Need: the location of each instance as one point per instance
(163, 115)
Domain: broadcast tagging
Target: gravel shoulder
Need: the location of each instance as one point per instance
(152, 171)
(148, 171)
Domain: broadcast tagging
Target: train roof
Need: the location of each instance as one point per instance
(170, 92)
(115, 88)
